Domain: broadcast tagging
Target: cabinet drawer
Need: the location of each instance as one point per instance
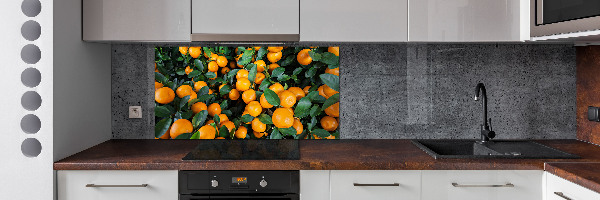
(117, 185)
(567, 189)
(482, 184)
(380, 185)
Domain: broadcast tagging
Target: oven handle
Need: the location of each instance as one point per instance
(191, 197)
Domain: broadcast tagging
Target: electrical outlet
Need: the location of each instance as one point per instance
(135, 111)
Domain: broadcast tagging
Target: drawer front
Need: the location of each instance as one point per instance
(482, 184)
(566, 189)
(376, 185)
(161, 185)
(314, 185)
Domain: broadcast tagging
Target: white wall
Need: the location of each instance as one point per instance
(82, 84)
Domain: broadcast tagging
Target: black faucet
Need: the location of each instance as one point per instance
(486, 129)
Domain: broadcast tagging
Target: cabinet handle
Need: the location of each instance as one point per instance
(94, 185)
(362, 184)
(560, 194)
(505, 185)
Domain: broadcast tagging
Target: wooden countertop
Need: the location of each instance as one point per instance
(581, 173)
(314, 155)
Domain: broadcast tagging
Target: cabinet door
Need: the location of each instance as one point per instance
(136, 20)
(375, 185)
(482, 184)
(117, 185)
(354, 20)
(561, 189)
(314, 185)
(243, 20)
(468, 20)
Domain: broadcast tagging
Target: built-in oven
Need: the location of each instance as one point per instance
(555, 17)
(234, 185)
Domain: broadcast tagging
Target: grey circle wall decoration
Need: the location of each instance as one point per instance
(31, 100)
(31, 77)
(31, 124)
(31, 147)
(31, 54)
(31, 30)
(31, 8)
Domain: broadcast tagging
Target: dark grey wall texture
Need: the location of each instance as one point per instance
(400, 91)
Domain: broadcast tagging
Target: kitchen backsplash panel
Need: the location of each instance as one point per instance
(392, 91)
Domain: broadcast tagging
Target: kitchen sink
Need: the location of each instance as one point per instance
(440, 149)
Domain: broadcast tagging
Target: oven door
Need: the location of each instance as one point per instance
(236, 197)
(554, 17)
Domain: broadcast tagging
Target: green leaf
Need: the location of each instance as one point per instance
(211, 75)
(180, 71)
(311, 72)
(184, 101)
(162, 111)
(194, 73)
(288, 131)
(195, 136)
(184, 136)
(162, 127)
(302, 108)
(275, 134)
(160, 78)
(261, 52)
(331, 80)
(217, 119)
(246, 58)
(225, 90)
(203, 91)
(199, 119)
(313, 122)
(314, 55)
(263, 86)
(297, 71)
(315, 111)
(315, 97)
(187, 115)
(331, 100)
(321, 133)
(252, 73)
(227, 112)
(283, 77)
(330, 58)
(198, 64)
(277, 72)
(205, 97)
(271, 97)
(223, 132)
(224, 104)
(247, 118)
(265, 119)
(288, 60)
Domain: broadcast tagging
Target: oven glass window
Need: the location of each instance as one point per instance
(554, 11)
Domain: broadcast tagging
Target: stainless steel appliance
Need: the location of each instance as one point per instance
(562, 17)
(233, 185)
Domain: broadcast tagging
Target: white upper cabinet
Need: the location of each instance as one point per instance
(136, 20)
(468, 20)
(243, 20)
(354, 20)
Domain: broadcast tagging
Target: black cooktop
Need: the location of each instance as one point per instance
(245, 150)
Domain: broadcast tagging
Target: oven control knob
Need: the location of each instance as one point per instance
(214, 183)
(263, 183)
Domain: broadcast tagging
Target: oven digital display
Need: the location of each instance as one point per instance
(239, 180)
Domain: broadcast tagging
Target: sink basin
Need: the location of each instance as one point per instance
(494, 149)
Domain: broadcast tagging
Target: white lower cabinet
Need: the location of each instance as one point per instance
(117, 185)
(375, 185)
(314, 184)
(561, 189)
(482, 184)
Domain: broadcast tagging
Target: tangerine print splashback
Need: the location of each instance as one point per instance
(223, 92)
